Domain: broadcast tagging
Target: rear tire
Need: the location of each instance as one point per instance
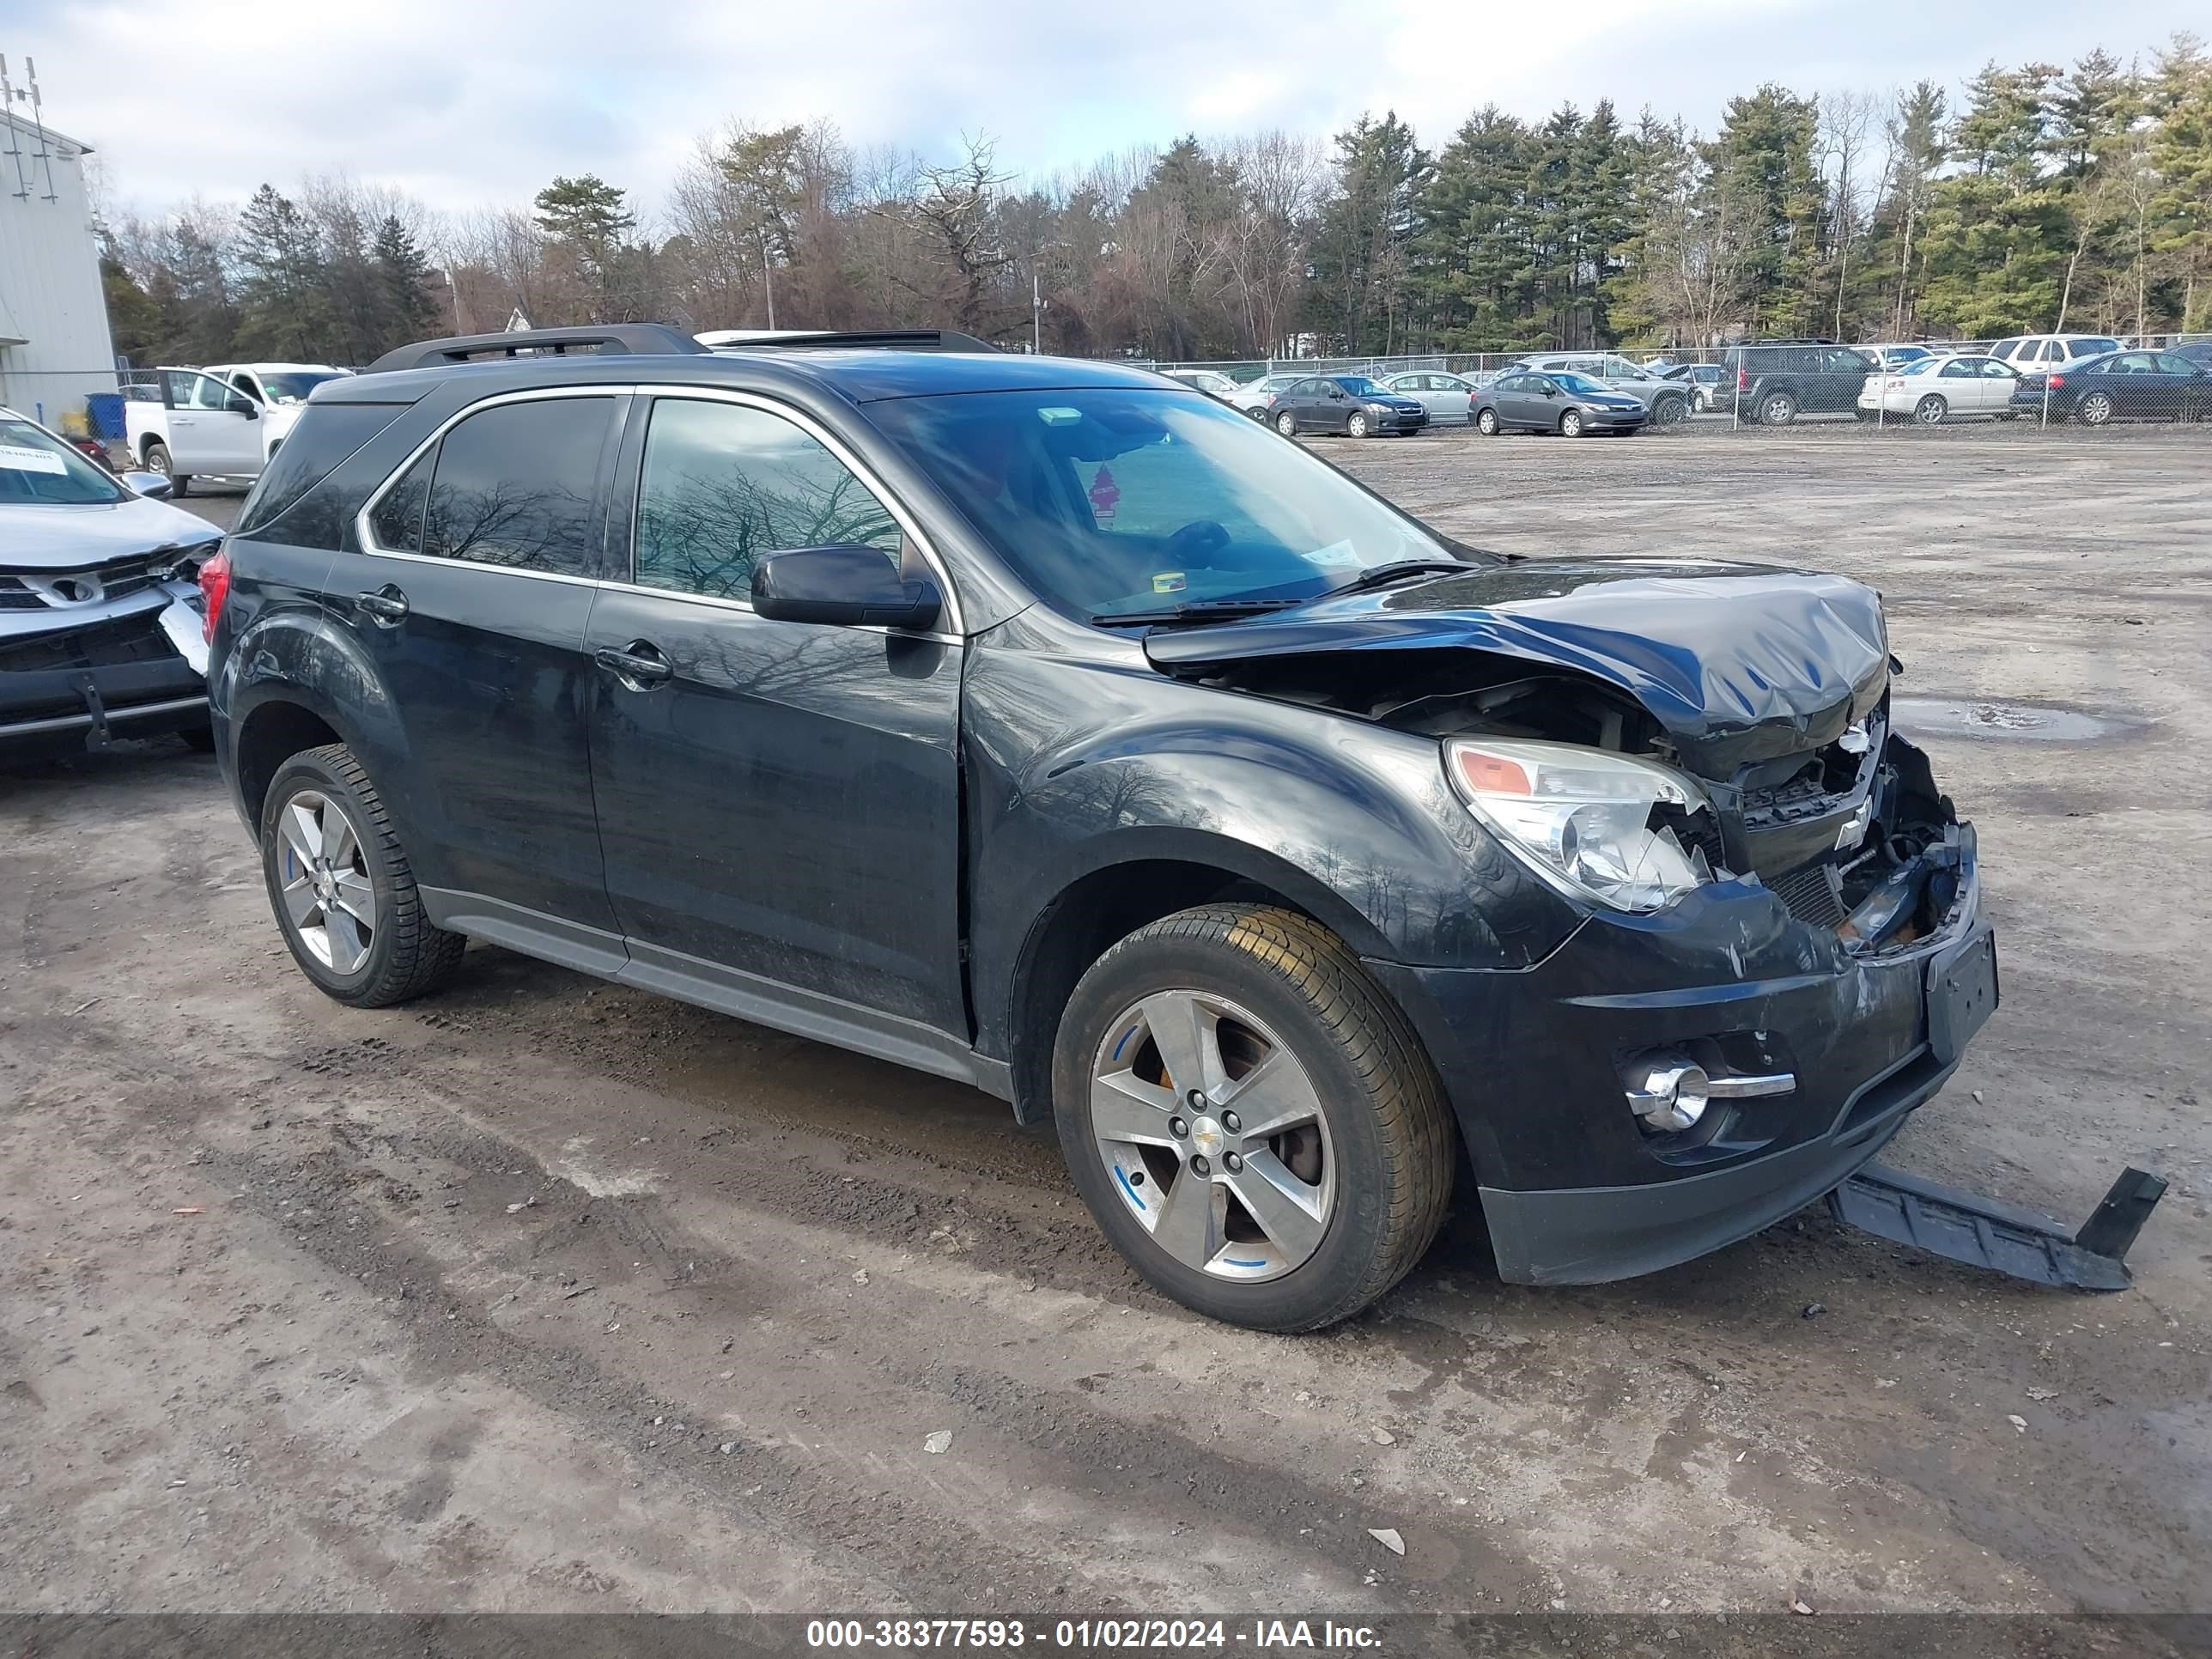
(394, 955)
(1670, 412)
(2095, 410)
(1931, 410)
(1382, 1151)
(1778, 409)
(1287, 424)
(1486, 423)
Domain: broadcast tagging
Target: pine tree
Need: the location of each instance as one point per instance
(408, 310)
(284, 296)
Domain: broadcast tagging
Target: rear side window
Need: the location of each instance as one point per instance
(326, 435)
(2004, 348)
(723, 485)
(515, 485)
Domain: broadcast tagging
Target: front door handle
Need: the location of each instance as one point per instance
(638, 665)
(386, 606)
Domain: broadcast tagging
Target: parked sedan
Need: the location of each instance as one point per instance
(1664, 401)
(1349, 404)
(1254, 396)
(1569, 405)
(2153, 385)
(100, 633)
(1450, 399)
(1213, 384)
(1934, 390)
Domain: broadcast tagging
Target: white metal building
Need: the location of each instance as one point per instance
(54, 343)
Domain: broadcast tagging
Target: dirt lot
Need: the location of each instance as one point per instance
(548, 1294)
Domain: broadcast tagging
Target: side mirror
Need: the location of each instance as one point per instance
(153, 486)
(240, 404)
(846, 584)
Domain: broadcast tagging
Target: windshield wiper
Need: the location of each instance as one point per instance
(1378, 575)
(1197, 610)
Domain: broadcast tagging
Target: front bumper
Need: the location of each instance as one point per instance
(132, 675)
(1616, 420)
(1574, 1189)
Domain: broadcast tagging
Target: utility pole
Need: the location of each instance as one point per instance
(1036, 312)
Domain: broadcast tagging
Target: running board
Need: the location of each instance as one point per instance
(1986, 1233)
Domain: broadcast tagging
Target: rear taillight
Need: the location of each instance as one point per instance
(2056, 381)
(1743, 380)
(214, 588)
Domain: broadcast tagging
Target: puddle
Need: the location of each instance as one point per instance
(2021, 721)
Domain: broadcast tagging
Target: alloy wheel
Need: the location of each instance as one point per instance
(1571, 424)
(1211, 1132)
(1486, 422)
(1287, 424)
(323, 874)
(1930, 410)
(2096, 409)
(1357, 426)
(1779, 411)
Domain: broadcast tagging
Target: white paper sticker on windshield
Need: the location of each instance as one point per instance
(1334, 556)
(18, 457)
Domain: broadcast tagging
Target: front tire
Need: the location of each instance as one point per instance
(1669, 411)
(1358, 426)
(1930, 410)
(1486, 423)
(1571, 424)
(1251, 1119)
(342, 888)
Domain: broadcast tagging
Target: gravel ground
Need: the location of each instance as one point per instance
(547, 1294)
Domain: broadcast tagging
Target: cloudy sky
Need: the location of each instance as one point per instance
(472, 102)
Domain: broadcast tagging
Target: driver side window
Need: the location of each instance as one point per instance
(722, 484)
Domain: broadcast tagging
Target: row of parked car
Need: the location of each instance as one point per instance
(2084, 377)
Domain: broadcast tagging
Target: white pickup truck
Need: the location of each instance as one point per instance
(222, 422)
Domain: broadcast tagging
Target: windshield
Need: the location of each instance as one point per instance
(293, 388)
(1114, 500)
(38, 470)
(1577, 383)
(1358, 386)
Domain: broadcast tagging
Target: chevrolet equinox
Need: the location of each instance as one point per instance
(1051, 726)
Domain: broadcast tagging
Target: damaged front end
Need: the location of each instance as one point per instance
(1780, 953)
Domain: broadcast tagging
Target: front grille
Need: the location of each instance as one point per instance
(1810, 892)
(22, 589)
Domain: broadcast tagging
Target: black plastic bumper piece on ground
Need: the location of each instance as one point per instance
(1984, 1232)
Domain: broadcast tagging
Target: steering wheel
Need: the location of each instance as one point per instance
(1194, 540)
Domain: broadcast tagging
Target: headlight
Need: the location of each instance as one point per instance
(1591, 822)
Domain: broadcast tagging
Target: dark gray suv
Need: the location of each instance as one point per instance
(1046, 725)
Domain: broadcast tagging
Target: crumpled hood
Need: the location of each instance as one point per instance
(40, 537)
(1739, 662)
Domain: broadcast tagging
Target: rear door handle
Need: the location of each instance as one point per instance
(638, 665)
(386, 606)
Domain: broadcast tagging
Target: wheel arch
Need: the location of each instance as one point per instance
(1143, 878)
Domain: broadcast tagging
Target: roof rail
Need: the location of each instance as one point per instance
(656, 338)
(892, 339)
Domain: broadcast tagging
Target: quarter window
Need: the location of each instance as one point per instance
(724, 484)
(514, 486)
(397, 521)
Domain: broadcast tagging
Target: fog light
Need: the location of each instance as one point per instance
(1671, 1093)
